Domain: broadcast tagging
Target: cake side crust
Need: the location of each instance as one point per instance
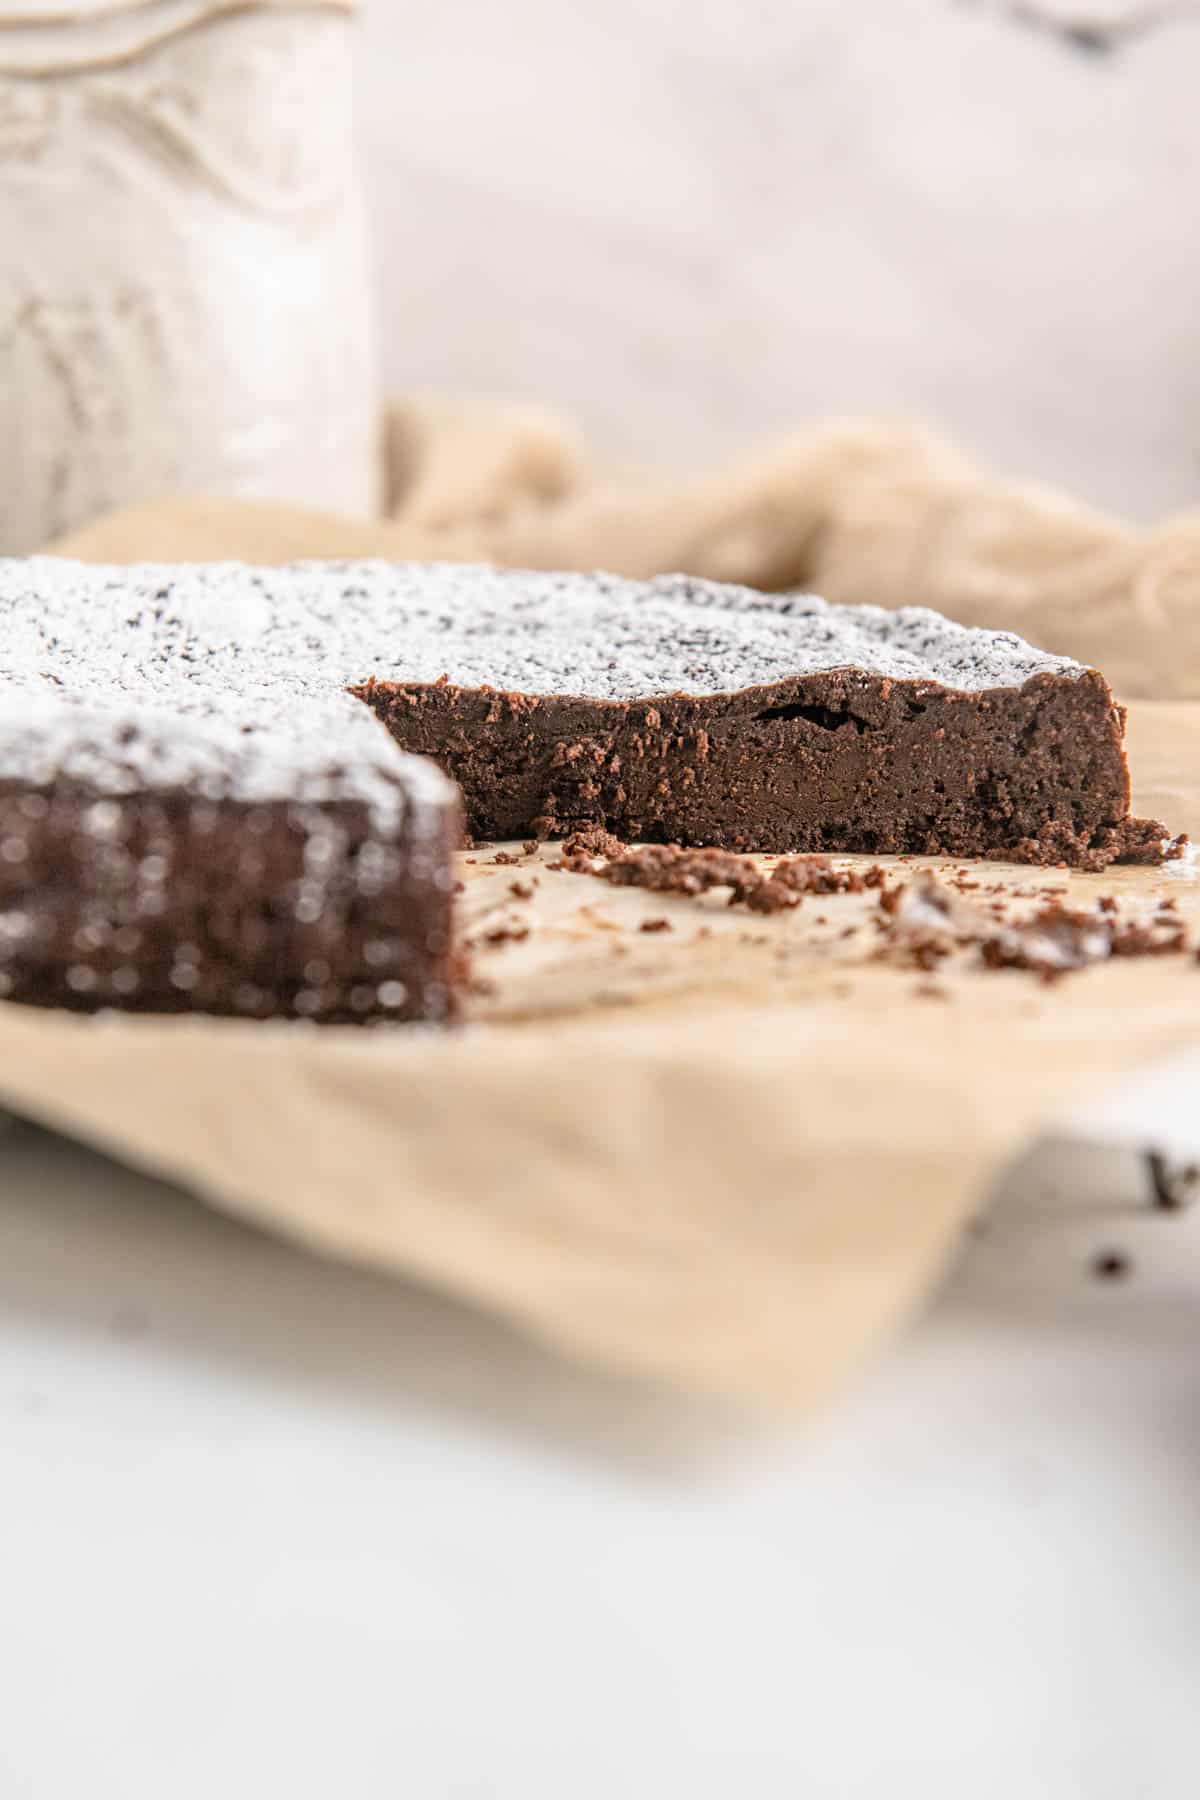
(835, 761)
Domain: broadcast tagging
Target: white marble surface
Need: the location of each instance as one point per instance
(273, 1527)
(693, 225)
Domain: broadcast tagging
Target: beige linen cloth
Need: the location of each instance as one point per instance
(736, 1172)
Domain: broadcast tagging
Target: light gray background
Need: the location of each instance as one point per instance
(693, 224)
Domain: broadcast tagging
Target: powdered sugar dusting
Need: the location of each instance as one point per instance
(153, 677)
(47, 735)
(262, 644)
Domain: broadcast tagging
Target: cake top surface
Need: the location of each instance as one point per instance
(123, 748)
(232, 640)
(128, 691)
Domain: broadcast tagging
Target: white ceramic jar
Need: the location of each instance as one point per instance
(185, 304)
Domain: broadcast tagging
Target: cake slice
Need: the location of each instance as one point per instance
(177, 861)
(680, 711)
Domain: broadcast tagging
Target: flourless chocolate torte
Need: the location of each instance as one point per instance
(197, 810)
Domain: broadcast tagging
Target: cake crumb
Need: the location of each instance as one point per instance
(510, 932)
(1171, 1187)
(925, 921)
(590, 841)
(671, 869)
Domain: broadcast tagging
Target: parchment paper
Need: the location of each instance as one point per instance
(733, 1160)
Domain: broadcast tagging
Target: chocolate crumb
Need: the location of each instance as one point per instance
(1059, 939)
(506, 858)
(1171, 1186)
(507, 933)
(670, 869)
(588, 842)
(926, 920)
(530, 847)
(522, 890)
(1111, 1265)
(656, 925)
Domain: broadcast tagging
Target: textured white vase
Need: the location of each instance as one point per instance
(184, 296)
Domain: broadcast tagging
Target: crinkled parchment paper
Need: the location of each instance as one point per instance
(733, 1152)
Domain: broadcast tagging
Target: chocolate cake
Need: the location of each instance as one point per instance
(679, 711)
(173, 862)
(195, 811)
